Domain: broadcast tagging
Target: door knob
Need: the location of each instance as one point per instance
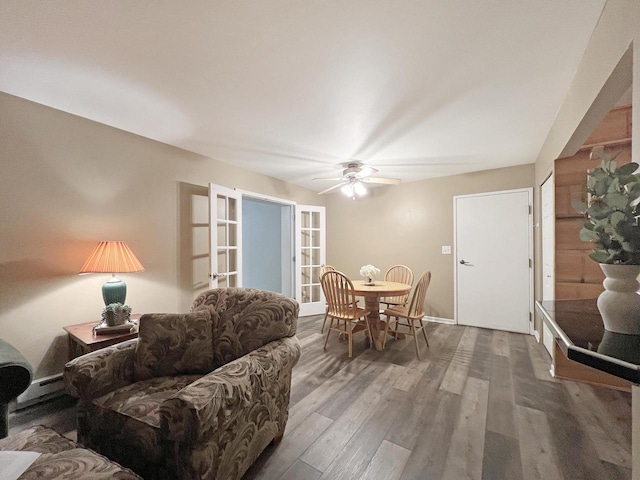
(464, 262)
(217, 275)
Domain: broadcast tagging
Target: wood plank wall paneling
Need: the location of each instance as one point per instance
(578, 290)
(616, 126)
(577, 276)
(565, 194)
(574, 266)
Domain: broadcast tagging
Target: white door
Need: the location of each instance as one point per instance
(225, 223)
(547, 197)
(493, 246)
(310, 256)
(548, 214)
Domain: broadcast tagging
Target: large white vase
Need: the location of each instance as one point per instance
(619, 304)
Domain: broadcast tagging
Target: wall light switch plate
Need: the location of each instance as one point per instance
(446, 249)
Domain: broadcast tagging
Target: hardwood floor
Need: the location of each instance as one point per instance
(58, 413)
(479, 405)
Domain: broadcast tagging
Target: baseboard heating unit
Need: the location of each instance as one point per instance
(40, 390)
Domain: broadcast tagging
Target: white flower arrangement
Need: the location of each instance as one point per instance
(369, 272)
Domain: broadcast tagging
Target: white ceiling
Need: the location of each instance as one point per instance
(291, 89)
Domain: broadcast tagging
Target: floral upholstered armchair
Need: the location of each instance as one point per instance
(197, 395)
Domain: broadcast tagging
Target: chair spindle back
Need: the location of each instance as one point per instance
(400, 274)
(339, 292)
(416, 308)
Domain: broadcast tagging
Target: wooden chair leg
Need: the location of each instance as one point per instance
(326, 338)
(324, 322)
(424, 332)
(342, 335)
(396, 329)
(415, 336)
(350, 335)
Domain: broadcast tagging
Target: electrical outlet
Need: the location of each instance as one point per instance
(446, 249)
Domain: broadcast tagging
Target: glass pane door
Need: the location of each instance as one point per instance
(225, 221)
(310, 256)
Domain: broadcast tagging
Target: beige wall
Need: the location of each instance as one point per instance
(409, 224)
(67, 183)
(593, 93)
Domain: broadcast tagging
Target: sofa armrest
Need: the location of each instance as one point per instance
(95, 374)
(251, 389)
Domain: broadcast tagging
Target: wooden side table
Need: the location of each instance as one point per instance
(82, 338)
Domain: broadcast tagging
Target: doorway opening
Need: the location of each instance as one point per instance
(267, 245)
(279, 246)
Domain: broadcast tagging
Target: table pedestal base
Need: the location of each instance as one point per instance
(373, 305)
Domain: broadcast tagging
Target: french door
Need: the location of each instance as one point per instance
(225, 224)
(310, 256)
(225, 221)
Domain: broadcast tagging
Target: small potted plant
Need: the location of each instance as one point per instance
(612, 213)
(116, 314)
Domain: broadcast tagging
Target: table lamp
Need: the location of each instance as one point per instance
(112, 257)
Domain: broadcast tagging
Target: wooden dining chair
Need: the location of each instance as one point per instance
(412, 315)
(400, 274)
(324, 269)
(342, 306)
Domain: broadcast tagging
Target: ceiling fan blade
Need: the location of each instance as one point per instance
(365, 172)
(334, 179)
(385, 181)
(330, 189)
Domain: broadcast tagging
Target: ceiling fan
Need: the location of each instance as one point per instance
(354, 176)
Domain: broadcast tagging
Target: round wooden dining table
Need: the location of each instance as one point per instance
(372, 294)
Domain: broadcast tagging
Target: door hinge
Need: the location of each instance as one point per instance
(530, 317)
(530, 263)
(530, 209)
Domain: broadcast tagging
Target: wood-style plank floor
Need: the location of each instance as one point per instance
(480, 404)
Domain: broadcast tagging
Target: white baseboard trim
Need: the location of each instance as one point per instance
(449, 321)
(41, 389)
(537, 335)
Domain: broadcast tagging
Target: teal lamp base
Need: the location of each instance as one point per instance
(114, 291)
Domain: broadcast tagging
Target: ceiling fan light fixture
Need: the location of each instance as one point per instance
(355, 176)
(359, 189)
(354, 188)
(348, 190)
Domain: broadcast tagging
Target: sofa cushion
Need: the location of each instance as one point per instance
(174, 344)
(245, 319)
(141, 401)
(125, 424)
(76, 464)
(62, 458)
(37, 439)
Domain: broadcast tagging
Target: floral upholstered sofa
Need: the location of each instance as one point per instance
(60, 458)
(197, 395)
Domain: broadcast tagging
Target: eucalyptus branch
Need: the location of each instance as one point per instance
(612, 211)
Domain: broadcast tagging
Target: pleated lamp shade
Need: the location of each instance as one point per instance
(112, 257)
